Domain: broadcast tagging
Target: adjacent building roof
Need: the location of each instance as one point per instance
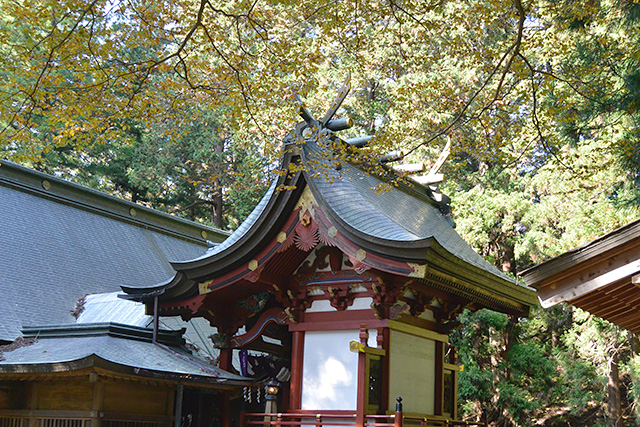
(61, 241)
(601, 277)
(116, 348)
(110, 308)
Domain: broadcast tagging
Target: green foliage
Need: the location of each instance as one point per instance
(552, 368)
(502, 371)
(181, 169)
(633, 368)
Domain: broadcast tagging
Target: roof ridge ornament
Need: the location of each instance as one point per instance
(311, 126)
(337, 102)
(433, 177)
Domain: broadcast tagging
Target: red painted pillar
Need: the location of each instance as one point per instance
(297, 361)
(224, 359)
(383, 343)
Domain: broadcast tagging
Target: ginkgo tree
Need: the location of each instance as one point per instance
(485, 73)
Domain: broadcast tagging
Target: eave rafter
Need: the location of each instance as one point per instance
(600, 277)
(590, 276)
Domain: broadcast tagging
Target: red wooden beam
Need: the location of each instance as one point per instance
(273, 315)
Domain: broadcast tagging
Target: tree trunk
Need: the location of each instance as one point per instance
(217, 205)
(508, 259)
(635, 343)
(613, 391)
(217, 188)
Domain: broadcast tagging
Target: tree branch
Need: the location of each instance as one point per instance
(511, 52)
(536, 122)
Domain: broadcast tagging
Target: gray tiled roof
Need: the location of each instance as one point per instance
(108, 307)
(142, 286)
(369, 205)
(56, 247)
(58, 346)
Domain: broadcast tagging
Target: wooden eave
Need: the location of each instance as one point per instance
(599, 249)
(476, 284)
(601, 277)
(93, 363)
(267, 225)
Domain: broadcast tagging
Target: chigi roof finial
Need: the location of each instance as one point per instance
(311, 127)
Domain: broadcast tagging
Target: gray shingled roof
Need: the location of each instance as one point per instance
(61, 243)
(125, 346)
(108, 307)
(367, 204)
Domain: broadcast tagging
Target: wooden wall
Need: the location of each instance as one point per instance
(73, 394)
(136, 398)
(80, 394)
(412, 372)
(12, 394)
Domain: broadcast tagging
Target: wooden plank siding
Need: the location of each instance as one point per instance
(79, 402)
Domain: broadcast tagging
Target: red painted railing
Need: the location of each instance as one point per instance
(349, 420)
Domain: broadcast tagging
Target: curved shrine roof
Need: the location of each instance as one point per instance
(394, 215)
(397, 221)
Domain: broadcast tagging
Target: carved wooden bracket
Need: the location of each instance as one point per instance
(220, 340)
(447, 311)
(341, 298)
(420, 303)
(255, 274)
(295, 301)
(307, 268)
(274, 315)
(385, 295)
(358, 265)
(227, 328)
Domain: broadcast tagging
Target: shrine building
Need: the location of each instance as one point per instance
(72, 354)
(352, 279)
